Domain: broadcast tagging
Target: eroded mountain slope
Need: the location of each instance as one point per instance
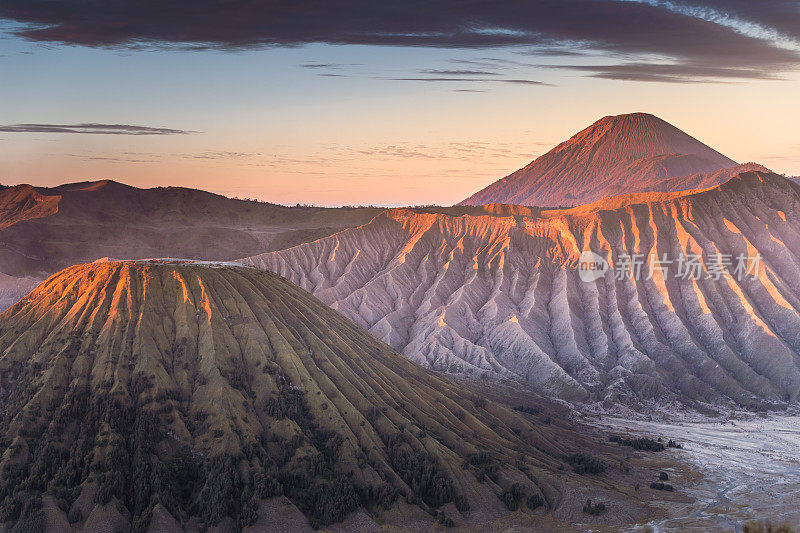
(501, 295)
(192, 394)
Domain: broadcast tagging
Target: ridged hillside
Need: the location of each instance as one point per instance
(23, 202)
(501, 296)
(178, 395)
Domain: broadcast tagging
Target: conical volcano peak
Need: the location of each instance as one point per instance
(637, 135)
(633, 121)
(618, 154)
(638, 118)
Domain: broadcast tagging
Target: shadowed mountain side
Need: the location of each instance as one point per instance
(501, 296)
(193, 394)
(85, 221)
(700, 180)
(616, 155)
(43, 230)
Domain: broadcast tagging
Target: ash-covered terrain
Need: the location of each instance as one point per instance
(740, 471)
(500, 295)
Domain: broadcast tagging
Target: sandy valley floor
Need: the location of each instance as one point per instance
(749, 469)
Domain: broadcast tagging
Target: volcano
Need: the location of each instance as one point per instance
(620, 154)
(178, 395)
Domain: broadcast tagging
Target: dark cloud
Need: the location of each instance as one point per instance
(92, 128)
(555, 51)
(742, 38)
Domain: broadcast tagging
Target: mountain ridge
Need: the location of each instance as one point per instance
(43, 230)
(500, 296)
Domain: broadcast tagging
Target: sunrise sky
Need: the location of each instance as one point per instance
(369, 104)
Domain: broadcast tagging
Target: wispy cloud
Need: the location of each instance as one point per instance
(487, 80)
(396, 151)
(494, 62)
(93, 128)
(457, 151)
(226, 155)
(439, 72)
(668, 73)
(330, 65)
(122, 157)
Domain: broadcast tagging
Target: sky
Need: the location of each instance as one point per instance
(356, 102)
